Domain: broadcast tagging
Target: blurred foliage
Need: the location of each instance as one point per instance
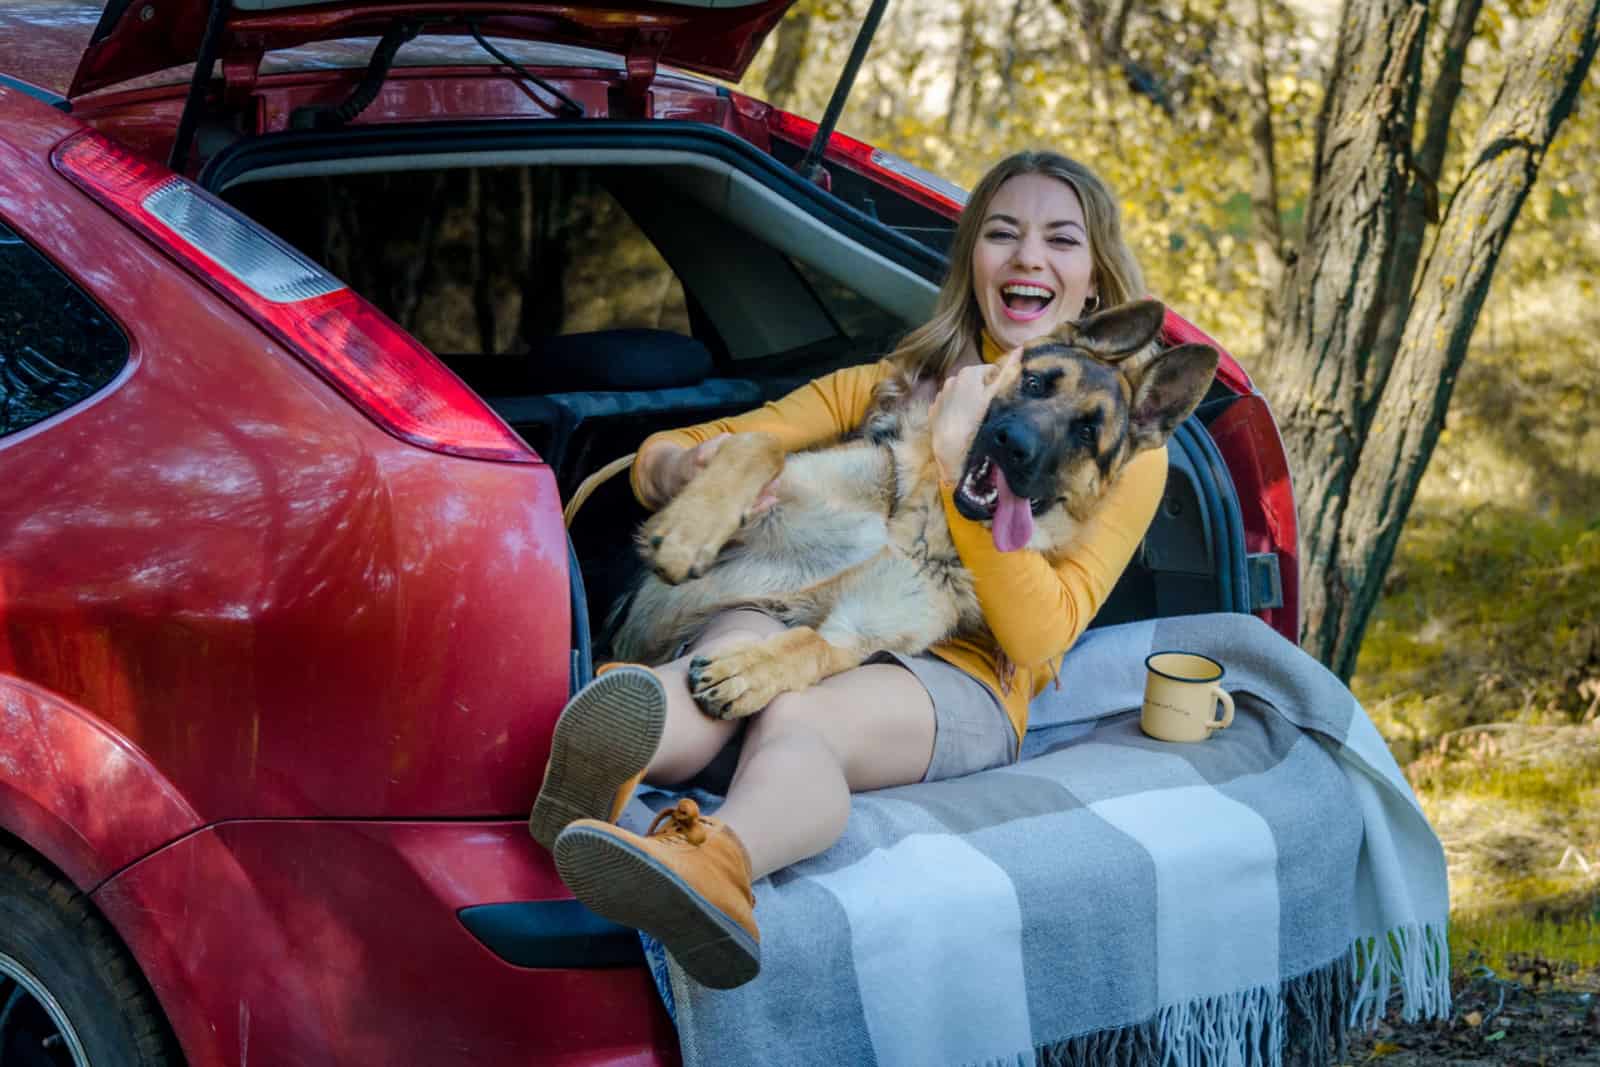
(955, 85)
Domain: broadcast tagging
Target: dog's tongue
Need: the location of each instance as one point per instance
(1013, 517)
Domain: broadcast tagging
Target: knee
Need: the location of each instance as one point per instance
(788, 713)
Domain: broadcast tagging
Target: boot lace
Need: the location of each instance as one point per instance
(686, 822)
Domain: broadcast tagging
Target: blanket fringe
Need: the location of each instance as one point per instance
(1299, 1023)
(1413, 960)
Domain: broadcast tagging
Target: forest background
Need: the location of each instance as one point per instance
(1481, 662)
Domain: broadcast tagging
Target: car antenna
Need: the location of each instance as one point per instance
(568, 106)
(810, 167)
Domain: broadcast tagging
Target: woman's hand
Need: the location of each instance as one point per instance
(666, 468)
(959, 408)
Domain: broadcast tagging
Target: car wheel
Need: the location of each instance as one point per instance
(69, 992)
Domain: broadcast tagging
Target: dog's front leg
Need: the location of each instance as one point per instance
(682, 539)
(743, 680)
(884, 606)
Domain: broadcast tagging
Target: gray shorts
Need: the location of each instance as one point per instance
(971, 729)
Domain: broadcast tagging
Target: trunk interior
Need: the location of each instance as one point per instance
(596, 297)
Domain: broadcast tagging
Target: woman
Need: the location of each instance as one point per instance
(1038, 244)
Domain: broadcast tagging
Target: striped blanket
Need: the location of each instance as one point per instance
(1109, 899)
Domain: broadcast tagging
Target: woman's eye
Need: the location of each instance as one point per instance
(1000, 235)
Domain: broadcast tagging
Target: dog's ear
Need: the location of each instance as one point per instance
(1167, 391)
(1118, 332)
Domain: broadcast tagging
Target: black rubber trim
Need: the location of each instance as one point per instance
(582, 645)
(60, 103)
(423, 139)
(552, 933)
(1222, 501)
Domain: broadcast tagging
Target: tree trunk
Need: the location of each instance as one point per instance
(1264, 187)
(1328, 302)
(788, 53)
(1421, 205)
(1537, 95)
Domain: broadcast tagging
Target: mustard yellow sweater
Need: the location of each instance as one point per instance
(1035, 610)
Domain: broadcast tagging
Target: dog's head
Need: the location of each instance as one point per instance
(1069, 416)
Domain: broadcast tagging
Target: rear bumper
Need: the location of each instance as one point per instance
(322, 942)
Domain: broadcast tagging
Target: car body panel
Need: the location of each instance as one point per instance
(236, 570)
(330, 942)
(135, 38)
(85, 798)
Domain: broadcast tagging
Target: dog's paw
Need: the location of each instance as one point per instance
(737, 683)
(679, 546)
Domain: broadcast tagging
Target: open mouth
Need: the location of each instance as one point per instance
(984, 493)
(1025, 301)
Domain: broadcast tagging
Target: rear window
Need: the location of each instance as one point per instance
(56, 346)
(479, 262)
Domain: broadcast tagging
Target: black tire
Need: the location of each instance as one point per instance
(66, 980)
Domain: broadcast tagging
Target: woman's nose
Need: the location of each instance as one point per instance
(1029, 252)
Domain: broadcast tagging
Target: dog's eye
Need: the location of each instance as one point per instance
(1032, 385)
(1085, 433)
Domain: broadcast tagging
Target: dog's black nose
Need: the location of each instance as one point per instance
(1017, 442)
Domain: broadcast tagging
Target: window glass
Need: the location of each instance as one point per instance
(857, 317)
(56, 346)
(480, 261)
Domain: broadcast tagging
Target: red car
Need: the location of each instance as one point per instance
(287, 605)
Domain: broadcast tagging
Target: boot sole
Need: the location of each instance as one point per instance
(629, 886)
(606, 736)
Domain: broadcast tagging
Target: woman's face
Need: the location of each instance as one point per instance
(1031, 268)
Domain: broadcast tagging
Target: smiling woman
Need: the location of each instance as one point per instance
(1039, 240)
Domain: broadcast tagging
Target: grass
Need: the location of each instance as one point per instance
(1482, 670)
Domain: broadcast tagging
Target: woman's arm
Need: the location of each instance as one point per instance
(819, 411)
(1037, 610)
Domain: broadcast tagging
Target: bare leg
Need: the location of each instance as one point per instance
(691, 738)
(867, 728)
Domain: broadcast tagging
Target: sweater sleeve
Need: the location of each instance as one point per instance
(819, 411)
(1037, 610)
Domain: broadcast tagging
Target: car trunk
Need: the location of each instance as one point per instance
(597, 286)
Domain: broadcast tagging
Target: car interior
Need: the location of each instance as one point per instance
(595, 301)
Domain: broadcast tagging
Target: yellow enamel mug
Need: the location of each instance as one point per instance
(1181, 694)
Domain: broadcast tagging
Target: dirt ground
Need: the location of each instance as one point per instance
(1539, 1019)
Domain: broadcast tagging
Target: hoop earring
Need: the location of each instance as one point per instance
(1091, 305)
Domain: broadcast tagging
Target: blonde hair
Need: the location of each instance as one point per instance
(933, 348)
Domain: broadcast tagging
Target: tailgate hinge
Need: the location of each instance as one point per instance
(632, 99)
(239, 75)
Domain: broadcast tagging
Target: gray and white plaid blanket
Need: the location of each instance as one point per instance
(1109, 899)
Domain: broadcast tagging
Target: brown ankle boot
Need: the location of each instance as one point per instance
(687, 885)
(603, 743)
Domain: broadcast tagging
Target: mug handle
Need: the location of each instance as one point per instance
(1227, 708)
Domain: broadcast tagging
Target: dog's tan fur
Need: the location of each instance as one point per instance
(857, 556)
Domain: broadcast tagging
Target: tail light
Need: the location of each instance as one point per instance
(378, 367)
(907, 179)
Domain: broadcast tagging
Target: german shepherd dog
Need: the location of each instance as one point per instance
(856, 558)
